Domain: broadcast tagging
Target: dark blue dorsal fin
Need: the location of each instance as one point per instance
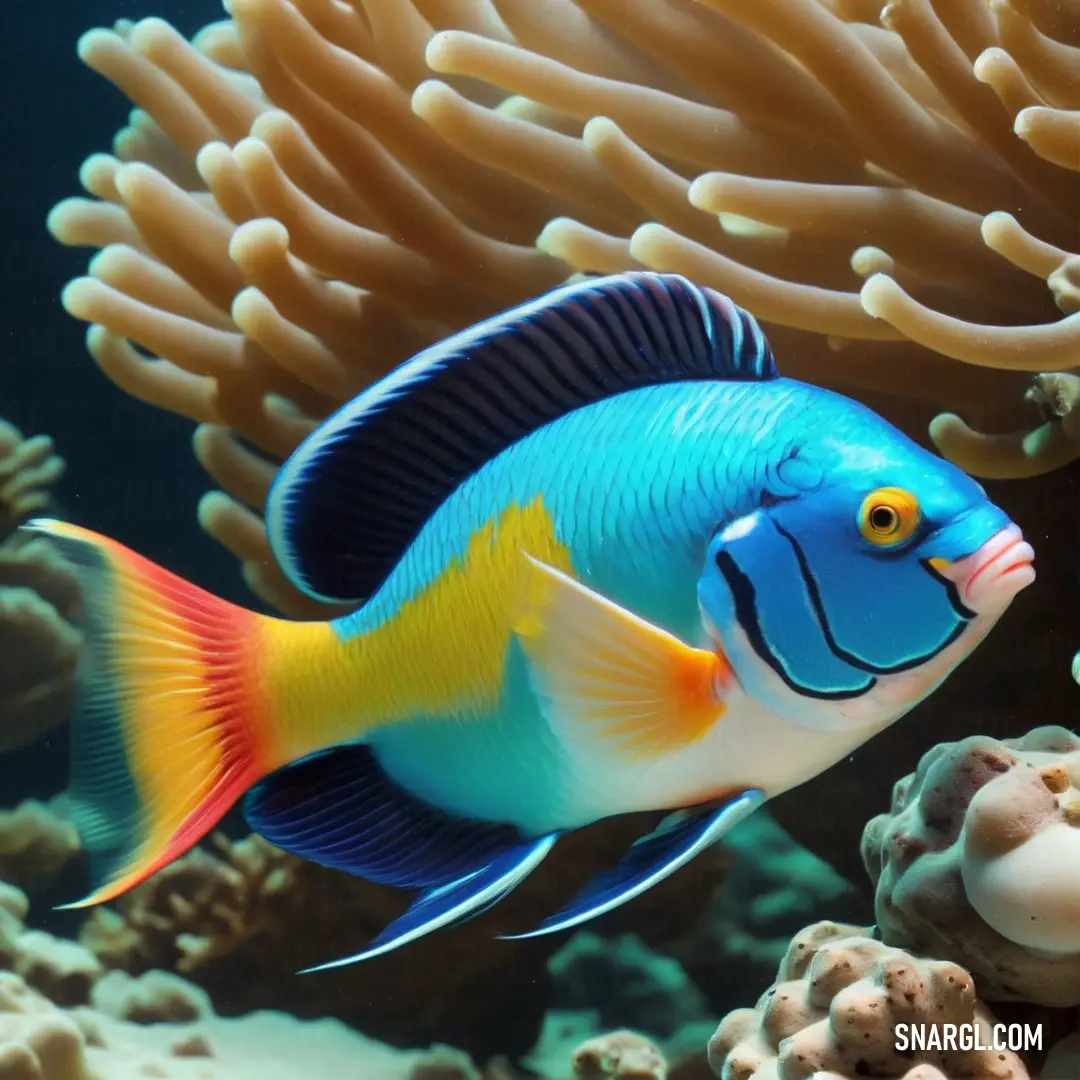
(338, 808)
(357, 491)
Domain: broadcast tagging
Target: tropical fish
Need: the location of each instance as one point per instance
(603, 558)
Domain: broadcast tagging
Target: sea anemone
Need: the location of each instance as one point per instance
(312, 190)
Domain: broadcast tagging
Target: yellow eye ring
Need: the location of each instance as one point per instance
(888, 516)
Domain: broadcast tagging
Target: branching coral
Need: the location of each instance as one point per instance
(834, 1010)
(40, 598)
(241, 921)
(39, 643)
(297, 204)
(28, 469)
(978, 861)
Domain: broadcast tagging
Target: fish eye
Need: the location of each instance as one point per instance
(884, 520)
(888, 516)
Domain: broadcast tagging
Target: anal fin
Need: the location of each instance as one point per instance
(674, 842)
(339, 808)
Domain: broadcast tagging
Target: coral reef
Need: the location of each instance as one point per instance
(36, 842)
(240, 922)
(39, 641)
(40, 1041)
(773, 889)
(978, 861)
(311, 190)
(28, 469)
(833, 1011)
(626, 983)
(39, 599)
(570, 1048)
(619, 1055)
(62, 970)
(155, 997)
(62, 1017)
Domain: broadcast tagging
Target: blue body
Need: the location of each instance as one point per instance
(791, 530)
(638, 486)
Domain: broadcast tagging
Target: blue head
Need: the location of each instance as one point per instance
(869, 571)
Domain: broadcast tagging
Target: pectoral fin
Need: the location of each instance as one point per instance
(594, 663)
(674, 842)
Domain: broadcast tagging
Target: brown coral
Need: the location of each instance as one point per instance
(37, 1040)
(39, 598)
(40, 1041)
(978, 861)
(159, 1025)
(61, 969)
(298, 203)
(155, 997)
(619, 1055)
(28, 470)
(36, 842)
(242, 921)
(835, 1008)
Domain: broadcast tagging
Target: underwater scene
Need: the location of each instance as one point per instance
(539, 540)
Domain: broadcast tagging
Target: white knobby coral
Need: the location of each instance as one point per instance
(978, 860)
(834, 1012)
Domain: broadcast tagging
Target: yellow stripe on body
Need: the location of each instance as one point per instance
(443, 653)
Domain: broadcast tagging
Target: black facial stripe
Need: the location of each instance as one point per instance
(814, 591)
(769, 499)
(950, 587)
(742, 589)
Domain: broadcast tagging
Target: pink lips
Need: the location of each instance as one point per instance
(990, 577)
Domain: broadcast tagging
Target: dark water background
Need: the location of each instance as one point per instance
(131, 472)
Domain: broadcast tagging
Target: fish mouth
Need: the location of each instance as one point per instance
(988, 578)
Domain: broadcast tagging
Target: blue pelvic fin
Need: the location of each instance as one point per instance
(358, 490)
(674, 842)
(455, 902)
(338, 808)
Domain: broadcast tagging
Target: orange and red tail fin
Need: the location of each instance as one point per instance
(172, 726)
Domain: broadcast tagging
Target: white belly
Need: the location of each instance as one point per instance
(749, 747)
(516, 767)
